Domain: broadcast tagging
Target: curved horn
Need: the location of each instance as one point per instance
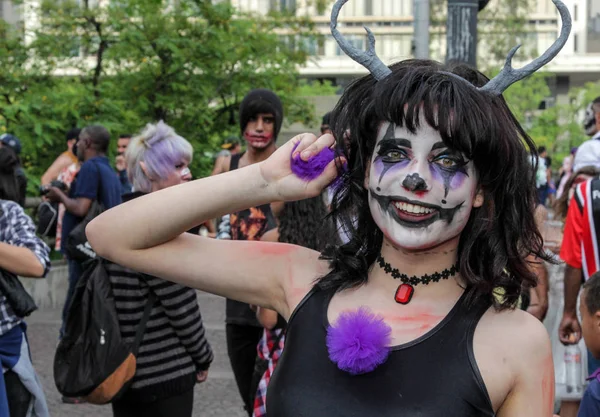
(368, 58)
(509, 75)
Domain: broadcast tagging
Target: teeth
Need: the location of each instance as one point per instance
(413, 208)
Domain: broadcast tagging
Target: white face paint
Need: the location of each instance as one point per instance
(420, 191)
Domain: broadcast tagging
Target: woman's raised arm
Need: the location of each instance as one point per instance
(147, 234)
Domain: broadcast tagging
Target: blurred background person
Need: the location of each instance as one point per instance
(231, 146)
(121, 164)
(95, 181)
(11, 185)
(12, 142)
(588, 154)
(21, 253)
(65, 159)
(174, 354)
(325, 124)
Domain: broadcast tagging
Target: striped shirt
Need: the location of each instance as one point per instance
(582, 228)
(174, 347)
(17, 229)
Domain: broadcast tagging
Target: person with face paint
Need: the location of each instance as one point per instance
(588, 154)
(402, 320)
(174, 354)
(261, 116)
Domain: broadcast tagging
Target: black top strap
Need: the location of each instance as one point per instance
(234, 162)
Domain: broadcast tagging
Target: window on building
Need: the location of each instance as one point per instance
(576, 42)
(288, 6)
(575, 12)
(368, 7)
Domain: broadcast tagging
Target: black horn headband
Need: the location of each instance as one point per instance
(496, 86)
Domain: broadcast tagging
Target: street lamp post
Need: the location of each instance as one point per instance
(461, 35)
(421, 38)
(462, 31)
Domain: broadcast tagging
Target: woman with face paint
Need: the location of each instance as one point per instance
(438, 196)
(174, 354)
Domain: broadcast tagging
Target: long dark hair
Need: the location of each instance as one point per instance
(500, 234)
(9, 185)
(306, 223)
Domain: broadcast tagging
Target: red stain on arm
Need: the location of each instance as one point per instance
(271, 249)
(548, 386)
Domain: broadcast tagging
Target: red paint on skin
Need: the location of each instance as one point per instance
(258, 139)
(420, 193)
(548, 386)
(267, 248)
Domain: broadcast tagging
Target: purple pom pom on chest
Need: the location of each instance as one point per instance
(359, 341)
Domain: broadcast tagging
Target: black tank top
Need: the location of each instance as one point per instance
(433, 376)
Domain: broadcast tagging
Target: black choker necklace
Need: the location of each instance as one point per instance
(406, 290)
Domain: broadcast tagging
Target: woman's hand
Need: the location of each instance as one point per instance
(277, 172)
(201, 376)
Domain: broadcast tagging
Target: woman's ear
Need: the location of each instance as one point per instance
(478, 199)
(145, 169)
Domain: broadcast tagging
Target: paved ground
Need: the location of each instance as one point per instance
(217, 397)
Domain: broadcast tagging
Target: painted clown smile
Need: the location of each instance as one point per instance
(414, 214)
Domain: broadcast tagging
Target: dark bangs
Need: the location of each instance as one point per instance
(261, 106)
(500, 234)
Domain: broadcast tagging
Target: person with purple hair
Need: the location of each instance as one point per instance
(405, 319)
(174, 354)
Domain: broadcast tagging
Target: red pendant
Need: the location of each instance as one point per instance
(404, 293)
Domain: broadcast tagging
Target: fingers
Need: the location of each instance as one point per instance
(569, 334)
(329, 174)
(201, 376)
(309, 145)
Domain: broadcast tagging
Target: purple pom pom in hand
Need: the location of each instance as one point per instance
(359, 341)
(311, 169)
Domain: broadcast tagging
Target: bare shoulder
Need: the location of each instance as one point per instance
(306, 268)
(516, 332)
(510, 346)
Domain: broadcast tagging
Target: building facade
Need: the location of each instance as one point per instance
(392, 23)
(9, 12)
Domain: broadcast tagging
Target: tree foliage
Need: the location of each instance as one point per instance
(140, 61)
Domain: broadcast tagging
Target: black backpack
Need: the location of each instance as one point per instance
(92, 360)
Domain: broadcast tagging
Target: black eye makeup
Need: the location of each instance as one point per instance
(449, 161)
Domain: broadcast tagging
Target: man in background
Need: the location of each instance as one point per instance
(121, 163)
(95, 180)
(261, 116)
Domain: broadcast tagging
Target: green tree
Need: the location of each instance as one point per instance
(138, 61)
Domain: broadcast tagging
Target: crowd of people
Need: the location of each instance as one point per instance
(390, 279)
